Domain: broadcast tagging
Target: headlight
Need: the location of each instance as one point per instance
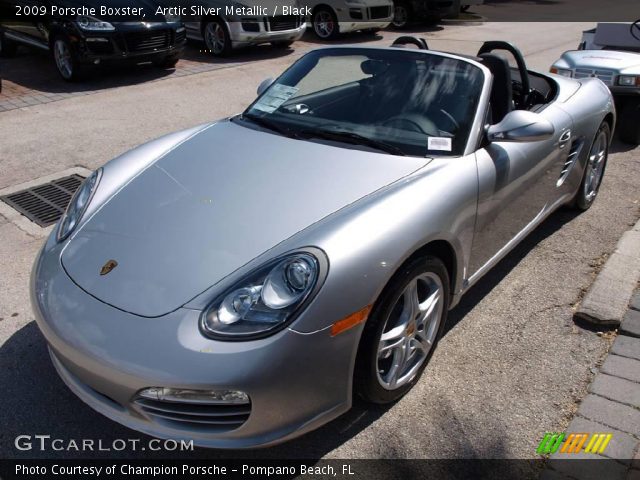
(562, 71)
(628, 80)
(266, 301)
(92, 24)
(78, 205)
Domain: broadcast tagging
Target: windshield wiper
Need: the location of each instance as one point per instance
(353, 138)
(270, 125)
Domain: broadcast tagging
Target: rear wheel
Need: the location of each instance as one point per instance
(217, 38)
(402, 331)
(629, 122)
(325, 24)
(8, 47)
(594, 170)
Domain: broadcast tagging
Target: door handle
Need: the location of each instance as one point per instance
(564, 138)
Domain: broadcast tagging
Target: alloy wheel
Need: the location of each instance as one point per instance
(595, 166)
(324, 25)
(410, 331)
(62, 56)
(215, 38)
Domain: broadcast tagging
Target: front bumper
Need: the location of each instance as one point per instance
(296, 382)
(243, 38)
(129, 44)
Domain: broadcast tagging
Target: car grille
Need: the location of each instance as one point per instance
(180, 37)
(283, 22)
(214, 416)
(605, 75)
(147, 41)
(379, 12)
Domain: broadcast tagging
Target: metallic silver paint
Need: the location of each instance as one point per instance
(369, 212)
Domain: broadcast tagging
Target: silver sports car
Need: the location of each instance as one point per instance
(239, 282)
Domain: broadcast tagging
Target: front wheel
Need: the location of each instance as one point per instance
(594, 170)
(217, 38)
(65, 60)
(402, 331)
(325, 24)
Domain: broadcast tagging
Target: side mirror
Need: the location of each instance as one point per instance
(266, 83)
(521, 126)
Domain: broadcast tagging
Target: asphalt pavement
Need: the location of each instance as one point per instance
(512, 365)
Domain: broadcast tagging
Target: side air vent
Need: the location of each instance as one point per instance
(570, 161)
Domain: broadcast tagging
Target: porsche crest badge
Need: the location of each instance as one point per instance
(107, 267)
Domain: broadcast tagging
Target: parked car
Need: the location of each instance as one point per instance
(238, 282)
(223, 33)
(411, 11)
(332, 17)
(78, 42)
(611, 53)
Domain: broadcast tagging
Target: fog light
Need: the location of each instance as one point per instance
(194, 396)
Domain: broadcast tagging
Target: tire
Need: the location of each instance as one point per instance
(8, 47)
(629, 123)
(282, 45)
(594, 169)
(401, 15)
(217, 38)
(65, 60)
(373, 377)
(325, 24)
(167, 62)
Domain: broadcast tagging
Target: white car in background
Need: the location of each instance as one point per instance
(610, 52)
(329, 18)
(223, 33)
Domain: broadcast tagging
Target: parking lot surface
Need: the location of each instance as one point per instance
(512, 364)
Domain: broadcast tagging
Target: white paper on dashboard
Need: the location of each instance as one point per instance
(274, 97)
(439, 143)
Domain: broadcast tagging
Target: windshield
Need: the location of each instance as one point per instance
(399, 102)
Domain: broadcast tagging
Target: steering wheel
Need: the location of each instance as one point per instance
(454, 122)
(635, 30)
(412, 122)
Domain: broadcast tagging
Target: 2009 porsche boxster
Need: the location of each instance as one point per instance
(236, 283)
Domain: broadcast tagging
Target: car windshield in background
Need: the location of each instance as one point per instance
(399, 102)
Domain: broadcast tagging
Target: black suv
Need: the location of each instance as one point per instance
(78, 41)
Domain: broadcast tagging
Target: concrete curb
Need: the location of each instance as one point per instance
(607, 300)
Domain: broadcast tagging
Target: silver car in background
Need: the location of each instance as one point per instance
(263, 22)
(237, 283)
(330, 18)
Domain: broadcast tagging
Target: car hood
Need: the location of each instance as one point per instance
(209, 206)
(595, 59)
